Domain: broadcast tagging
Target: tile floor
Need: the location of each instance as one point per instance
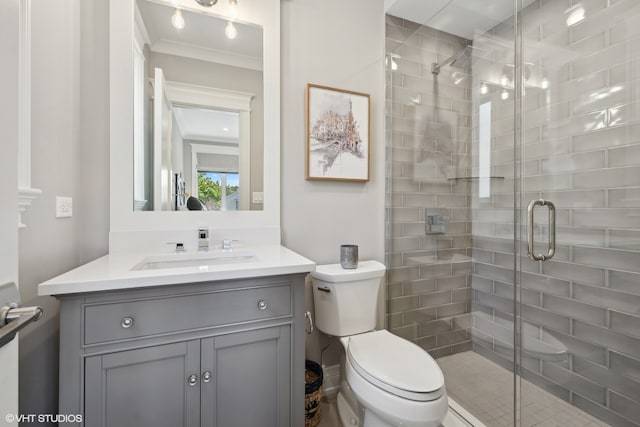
(329, 412)
(491, 402)
(485, 389)
(329, 415)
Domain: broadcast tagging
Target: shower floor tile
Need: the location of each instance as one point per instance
(330, 418)
(486, 390)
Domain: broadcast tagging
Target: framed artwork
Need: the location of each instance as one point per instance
(338, 128)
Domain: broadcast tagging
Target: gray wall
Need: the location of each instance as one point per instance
(319, 216)
(581, 151)
(69, 158)
(428, 145)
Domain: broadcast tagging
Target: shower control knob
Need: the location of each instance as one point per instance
(262, 305)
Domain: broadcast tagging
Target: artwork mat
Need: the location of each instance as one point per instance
(361, 117)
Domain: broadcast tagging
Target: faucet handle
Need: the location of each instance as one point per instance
(179, 246)
(226, 244)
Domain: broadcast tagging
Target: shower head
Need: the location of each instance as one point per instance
(460, 59)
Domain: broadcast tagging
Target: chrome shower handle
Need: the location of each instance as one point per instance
(552, 230)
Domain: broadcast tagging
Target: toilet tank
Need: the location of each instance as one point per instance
(346, 301)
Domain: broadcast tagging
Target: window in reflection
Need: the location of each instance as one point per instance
(219, 191)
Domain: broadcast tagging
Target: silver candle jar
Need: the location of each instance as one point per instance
(349, 256)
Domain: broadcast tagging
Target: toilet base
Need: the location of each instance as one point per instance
(348, 417)
(372, 420)
(353, 414)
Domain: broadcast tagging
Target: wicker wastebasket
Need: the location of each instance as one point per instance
(312, 393)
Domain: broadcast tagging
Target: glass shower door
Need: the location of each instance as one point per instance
(513, 204)
(578, 168)
(450, 196)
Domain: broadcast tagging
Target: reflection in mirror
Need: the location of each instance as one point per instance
(198, 111)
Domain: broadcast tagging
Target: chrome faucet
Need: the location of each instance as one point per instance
(203, 239)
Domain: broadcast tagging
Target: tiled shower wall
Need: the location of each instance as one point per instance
(581, 150)
(428, 137)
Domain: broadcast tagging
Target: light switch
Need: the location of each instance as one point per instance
(64, 207)
(257, 197)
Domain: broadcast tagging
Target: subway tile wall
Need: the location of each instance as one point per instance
(580, 148)
(428, 141)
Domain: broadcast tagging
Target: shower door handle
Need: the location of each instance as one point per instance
(552, 230)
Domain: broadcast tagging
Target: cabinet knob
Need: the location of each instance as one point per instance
(262, 304)
(192, 379)
(127, 322)
(206, 377)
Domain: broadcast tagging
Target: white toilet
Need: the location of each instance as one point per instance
(395, 382)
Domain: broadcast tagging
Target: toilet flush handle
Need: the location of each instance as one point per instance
(307, 315)
(327, 290)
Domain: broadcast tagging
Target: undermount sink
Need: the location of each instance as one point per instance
(201, 259)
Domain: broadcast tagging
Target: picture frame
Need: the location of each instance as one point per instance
(338, 129)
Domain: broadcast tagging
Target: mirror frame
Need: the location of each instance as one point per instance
(123, 219)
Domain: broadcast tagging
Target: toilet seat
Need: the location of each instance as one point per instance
(396, 365)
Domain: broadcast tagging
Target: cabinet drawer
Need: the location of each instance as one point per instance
(138, 318)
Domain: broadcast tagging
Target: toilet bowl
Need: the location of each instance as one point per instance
(395, 382)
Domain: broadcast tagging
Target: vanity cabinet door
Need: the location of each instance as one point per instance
(147, 387)
(250, 381)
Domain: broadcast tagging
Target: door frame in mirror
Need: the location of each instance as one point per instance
(213, 98)
(123, 219)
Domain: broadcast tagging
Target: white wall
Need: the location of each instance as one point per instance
(9, 40)
(93, 199)
(70, 155)
(348, 53)
(48, 246)
(339, 44)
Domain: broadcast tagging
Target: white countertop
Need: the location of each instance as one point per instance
(114, 271)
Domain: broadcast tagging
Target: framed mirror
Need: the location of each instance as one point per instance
(194, 113)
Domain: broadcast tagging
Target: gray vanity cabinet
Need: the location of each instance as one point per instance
(143, 387)
(251, 374)
(216, 354)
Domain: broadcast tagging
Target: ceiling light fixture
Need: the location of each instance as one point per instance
(233, 9)
(230, 31)
(177, 20)
(484, 88)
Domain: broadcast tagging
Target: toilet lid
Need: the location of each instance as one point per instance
(396, 365)
(334, 273)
